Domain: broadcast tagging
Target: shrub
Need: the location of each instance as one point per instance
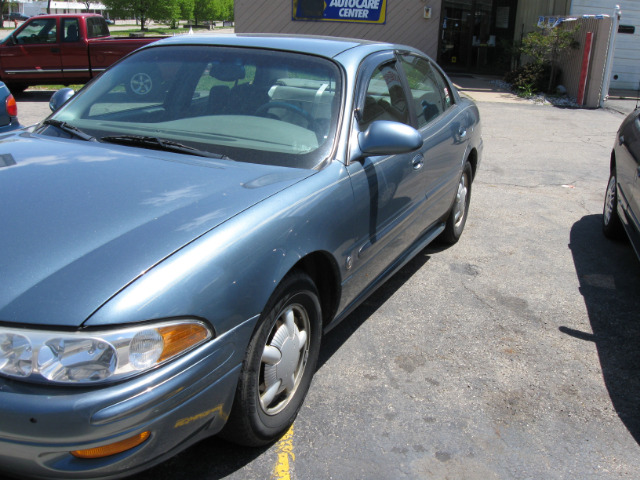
(530, 78)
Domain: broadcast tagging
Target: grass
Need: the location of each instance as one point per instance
(55, 88)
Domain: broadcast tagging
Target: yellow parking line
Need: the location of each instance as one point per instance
(284, 449)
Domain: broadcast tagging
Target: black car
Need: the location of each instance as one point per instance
(16, 16)
(622, 201)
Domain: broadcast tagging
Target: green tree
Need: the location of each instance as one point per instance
(186, 9)
(212, 10)
(204, 10)
(224, 10)
(142, 9)
(3, 8)
(546, 44)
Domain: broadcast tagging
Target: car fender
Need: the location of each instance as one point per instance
(227, 275)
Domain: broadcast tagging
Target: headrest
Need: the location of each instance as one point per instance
(227, 72)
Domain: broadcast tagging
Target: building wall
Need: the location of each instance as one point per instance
(625, 73)
(405, 23)
(37, 7)
(530, 10)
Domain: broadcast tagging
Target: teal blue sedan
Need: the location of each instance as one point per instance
(179, 234)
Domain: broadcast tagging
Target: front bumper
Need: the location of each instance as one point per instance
(179, 404)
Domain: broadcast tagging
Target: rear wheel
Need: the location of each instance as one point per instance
(611, 225)
(460, 208)
(279, 364)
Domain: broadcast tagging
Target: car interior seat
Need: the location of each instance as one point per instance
(220, 95)
(72, 33)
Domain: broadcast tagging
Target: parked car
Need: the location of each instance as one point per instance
(621, 213)
(170, 264)
(8, 110)
(21, 17)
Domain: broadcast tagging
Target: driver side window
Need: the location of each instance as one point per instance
(38, 31)
(385, 98)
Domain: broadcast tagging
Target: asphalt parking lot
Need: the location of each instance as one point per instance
(514, 354)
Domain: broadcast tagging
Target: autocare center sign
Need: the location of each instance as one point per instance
(359, 11)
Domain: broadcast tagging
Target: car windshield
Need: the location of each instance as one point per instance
(250, 105)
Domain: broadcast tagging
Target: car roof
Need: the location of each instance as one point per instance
(318, 45)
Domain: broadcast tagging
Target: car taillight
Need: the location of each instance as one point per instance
(12, 106)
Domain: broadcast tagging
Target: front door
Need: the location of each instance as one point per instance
(34, 52)
(476, 35)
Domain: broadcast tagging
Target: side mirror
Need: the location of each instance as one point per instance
(388, 138)
(61, 97)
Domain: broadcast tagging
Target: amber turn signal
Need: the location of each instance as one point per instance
(178, 338)
(112, 449)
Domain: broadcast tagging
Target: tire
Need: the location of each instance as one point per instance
(457, 217)
(279, 364)
(611, 224)
(16, 87)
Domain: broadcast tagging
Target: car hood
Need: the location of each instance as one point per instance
(81, 220)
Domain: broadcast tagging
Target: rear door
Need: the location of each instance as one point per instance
(34, 53)
(73, 48)
(443, 127)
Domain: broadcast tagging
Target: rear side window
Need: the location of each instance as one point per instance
(97, 27)
(70, 30)
(429, 95)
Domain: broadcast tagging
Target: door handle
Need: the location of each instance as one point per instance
(417, 162)
(55, 50)
(462, 132)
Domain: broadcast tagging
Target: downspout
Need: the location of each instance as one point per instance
(608, 66)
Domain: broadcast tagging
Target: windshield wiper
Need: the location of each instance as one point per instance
(65, 127)
(159, 144)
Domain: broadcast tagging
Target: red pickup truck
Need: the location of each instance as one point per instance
(63, 49)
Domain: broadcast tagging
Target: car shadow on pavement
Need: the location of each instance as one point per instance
(609, 276)
(210, 459)
(38, 96)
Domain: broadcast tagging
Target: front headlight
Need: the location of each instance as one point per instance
(92, 357)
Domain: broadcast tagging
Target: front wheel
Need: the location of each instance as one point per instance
(279, 364)
(460, 209)
(611, 225)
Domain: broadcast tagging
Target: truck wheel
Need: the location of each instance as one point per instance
(16, 87)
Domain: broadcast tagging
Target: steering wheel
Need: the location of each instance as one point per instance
(262, 109)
